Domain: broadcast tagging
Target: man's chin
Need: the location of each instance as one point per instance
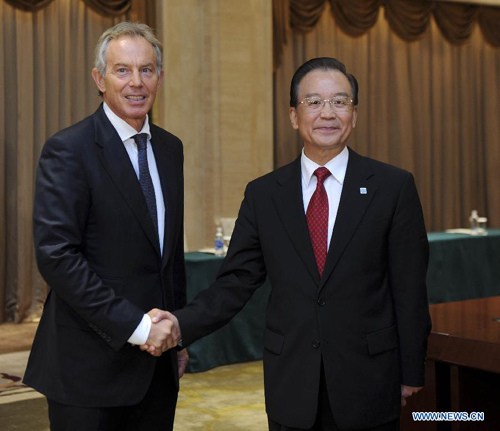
(136, 113)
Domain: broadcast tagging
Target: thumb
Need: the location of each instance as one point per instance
(162, 315)
(158, 315)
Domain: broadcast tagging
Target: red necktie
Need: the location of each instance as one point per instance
(317, 219)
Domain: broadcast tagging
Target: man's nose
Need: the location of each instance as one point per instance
(327, 111)
(136, 79)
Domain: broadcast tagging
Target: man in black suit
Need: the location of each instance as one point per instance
(108, 228)
(342, 239)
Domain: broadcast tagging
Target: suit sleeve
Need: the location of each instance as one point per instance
(179, 272)
(62, 203)
(408, 260)
(242, 272)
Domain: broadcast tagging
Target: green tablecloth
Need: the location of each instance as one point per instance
(463, 266)
(460, 267)
(241, 339)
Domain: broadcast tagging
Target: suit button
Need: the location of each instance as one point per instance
(316, 344)
(321, 302)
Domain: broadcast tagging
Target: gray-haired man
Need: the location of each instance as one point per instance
(108, 227)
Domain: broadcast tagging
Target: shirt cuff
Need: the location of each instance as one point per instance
(141, 333)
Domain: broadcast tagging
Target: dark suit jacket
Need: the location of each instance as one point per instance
(98, 251)
(367, 318)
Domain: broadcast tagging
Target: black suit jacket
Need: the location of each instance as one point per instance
(98, 251)
(367, 318)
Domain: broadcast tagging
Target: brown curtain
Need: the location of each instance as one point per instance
(280, 20)
(428, 106)
(45, 86)
(134, 10)
(356, 16)
(29, 5)
(110, 7)
(104, 7)
(304, 15)
(409, 19)
(456, 22)
(489, 19)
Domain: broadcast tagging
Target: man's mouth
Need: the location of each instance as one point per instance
(135, 98)
(327, 128)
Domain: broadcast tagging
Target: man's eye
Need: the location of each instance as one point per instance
(314, 102)
(146, 70)
(341, 102)
(121, 70)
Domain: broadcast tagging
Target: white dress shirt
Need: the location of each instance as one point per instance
(333, 184)
(126, 133)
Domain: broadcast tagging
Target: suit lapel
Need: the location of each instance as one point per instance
(117, 163)
(170, 189)
(290, 207)
(352, 208)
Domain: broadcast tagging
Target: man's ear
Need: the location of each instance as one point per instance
(354, 116)
(160, 79)
(293, 118)
(99, 80)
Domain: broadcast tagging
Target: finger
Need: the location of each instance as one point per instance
(171, 343)
(151, 313)
(182, 367)
(167, 346)
(155, 351)
(181, 370)
(160, 315)
(183, 359)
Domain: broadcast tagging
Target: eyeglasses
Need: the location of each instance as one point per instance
(316, 104)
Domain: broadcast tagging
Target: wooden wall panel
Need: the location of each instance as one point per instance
(217, 97)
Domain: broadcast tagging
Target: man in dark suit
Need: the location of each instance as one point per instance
(108, 228)
(342, 239)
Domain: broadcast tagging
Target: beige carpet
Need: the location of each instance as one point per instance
(229, 398)
(16, 337)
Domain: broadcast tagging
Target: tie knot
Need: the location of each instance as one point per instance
(322, 174)
(141, 139)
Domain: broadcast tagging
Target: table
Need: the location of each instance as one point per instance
(463, 366)
(242, 338)
(461, 267)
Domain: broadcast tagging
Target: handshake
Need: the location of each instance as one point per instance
(165, 332)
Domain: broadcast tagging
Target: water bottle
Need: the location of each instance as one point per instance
(474, 222)
(219, 242)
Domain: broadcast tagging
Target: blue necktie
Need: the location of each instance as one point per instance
(145, 180)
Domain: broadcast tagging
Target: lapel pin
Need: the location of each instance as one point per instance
(362, 191)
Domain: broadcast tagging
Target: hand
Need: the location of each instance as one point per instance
(182, 360)
(164, 334)
(408, 391)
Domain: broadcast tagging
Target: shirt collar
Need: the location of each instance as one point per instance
(337, 166)
(125, 130)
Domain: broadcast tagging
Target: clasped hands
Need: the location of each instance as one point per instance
(165, 332)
